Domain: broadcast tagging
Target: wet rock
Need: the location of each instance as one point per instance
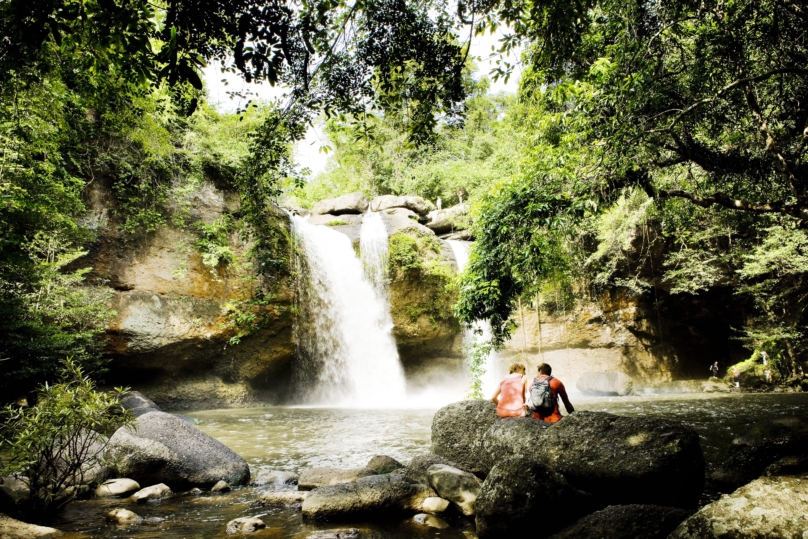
(458, 431)
(195, 491)
(137, 412)
(627, 522)
(514, 436)
(342, 533)
(374, 496)
(221, 486)
(435, 504)
(15, 529)
(449, 220)
(416, 471)
(245, 525)
(522, 497)
(769, 507)
(163, 448)
(623, 460)
(123, 517)
(285, 498)
(413, 203)
(350, 203)
(320, 477)
(457, 486)
(274, 477)
(117, 487)
(152, 493)
(135, 399)
(430, 520)
(461, 235)
(605, 383)
(787, 455)
(383, 464)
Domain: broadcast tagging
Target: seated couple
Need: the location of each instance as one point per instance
(516, 398)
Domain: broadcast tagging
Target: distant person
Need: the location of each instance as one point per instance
(714, 370)
(438, 203)
(510, 397)
(736, 376)
(768, 374)
(460, 196)
(557, 390)
(765, 357)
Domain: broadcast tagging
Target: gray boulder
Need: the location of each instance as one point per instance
(342, 533)
(135, 399)
(350, 203)
(377, 495)
(403, 220)
(164, 448)
(624, 460)
(273, 477)
(459, 487)
(137, 412)
(383, 464)
(515, 436)
(448, 220)
(767, 508)
(416, 471)
(284, 498)
(245, 525)
(154, 492)
(16, 529)
(605, 383)
(413, 203)
(312, 478)
(458, 431)
(627, 522)
(123, 517)
(522, 498)
(117, 487)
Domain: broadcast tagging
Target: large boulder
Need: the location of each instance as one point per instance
(384, 464)
(374, 496)
(458, 431)
(350, 203)
(319, 477)
(523, 498)
(605, 383)
(513, 436)
(627, 522)
(449, 220)
(417, 469)
(16, 529)
(117, 487)
(459, 487)
(624, 460)
(787, 455)
(163, 448)
(767, 508)
(135, 399)
(415, 204)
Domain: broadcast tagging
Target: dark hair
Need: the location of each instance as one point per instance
(544, 368)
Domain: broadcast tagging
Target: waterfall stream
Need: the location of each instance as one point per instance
(346, 352)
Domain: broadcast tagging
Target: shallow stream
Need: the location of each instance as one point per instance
(293, 439)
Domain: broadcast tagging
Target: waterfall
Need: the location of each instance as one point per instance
(373, 244)
(480, 331)
(346, 352)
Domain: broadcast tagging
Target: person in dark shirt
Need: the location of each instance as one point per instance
(714, 370)
(558, 390)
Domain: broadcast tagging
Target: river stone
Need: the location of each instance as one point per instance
(384, 464)
(745, 463)
(342, 533)
(350, 203)
(123, 517)
(458, 431)
(312, 478)
(627, 522)
(432, 521)
(623, 460)
(412, 203)
(418, 466)
(605, 383)
(284, 498)
(448, 220)
(135, 399)
(164, 448)
(435, 504)
(514, 436)
(376, 495)
(274, 477)
(221, 486)
(457, 486)
(117, 487)
(766, 508)
(245, 525)
(521, 497)
(16, 529)
(154, 492)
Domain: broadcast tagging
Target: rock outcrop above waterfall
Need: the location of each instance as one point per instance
(458, 431)
(415, 204)
(449, 220)
(352, 203)
(605, 383)
(162, 448)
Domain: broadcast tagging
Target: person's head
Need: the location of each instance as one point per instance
(545, 369)
(716, 364)
(517, 367)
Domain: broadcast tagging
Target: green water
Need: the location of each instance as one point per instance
(293, 439)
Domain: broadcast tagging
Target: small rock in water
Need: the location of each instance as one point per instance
(319, 477)
(221, 486)
(123, 517)
(430, 520)
(384, 464)
(154, 492)
(274, 477)
(288, 498)
(245, 525)
(435, 505)
(343, 533)
(117, 487)
(196, 491)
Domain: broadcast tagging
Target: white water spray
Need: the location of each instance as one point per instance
(346, 352)
(373, 246)
(480, 331)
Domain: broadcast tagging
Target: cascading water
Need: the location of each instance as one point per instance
(480, 331)
(373, 250)
(346, 352)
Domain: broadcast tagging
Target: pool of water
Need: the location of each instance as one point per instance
(293, 439)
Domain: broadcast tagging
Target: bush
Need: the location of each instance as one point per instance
(57, 446)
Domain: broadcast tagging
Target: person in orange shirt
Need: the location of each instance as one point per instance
(557, 388)
(510, 397)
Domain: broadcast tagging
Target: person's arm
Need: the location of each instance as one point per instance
(495, 399)
(526, 388)
(562, 392)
